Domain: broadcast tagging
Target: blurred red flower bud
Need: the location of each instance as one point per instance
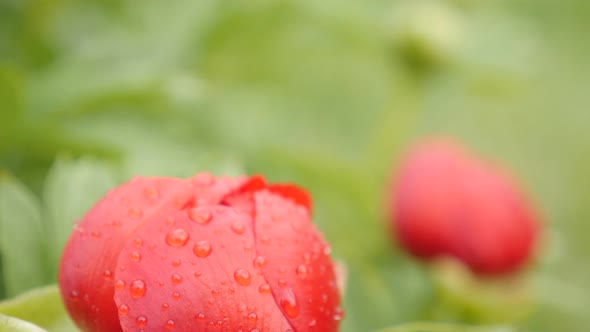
(203, 254)
(447, 202)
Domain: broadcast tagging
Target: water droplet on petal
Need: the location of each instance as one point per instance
(138, 242)
(301, 271)
(176, 262)
(242, 277)
(170, 324)
(264, 239)
(177, 237)
(74, 295)
(123, 309)
(259, 262)
(176, 296)
(252, 317)
(135, 256)
(165, 307)
(176, 279)
(137, 289)
(200, 215)
(288, 303)
(264, 289)
(338, 313)
(119, 284)
(151, 193)
(238, 227)
(141, 321)
(135, 213)
(200, 316)
(202, 249)
(107, 275)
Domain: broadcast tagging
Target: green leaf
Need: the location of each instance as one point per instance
(42, 306)
(10, 324)
(443, 327)
(71, 188)
(21, 236)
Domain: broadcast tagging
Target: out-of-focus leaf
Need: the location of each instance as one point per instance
(464, 297)
(42, 306)
(11, 324)
(21, 237)
(71, 188)
(442, 327)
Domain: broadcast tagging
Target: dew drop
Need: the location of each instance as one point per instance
(138, 242)
(170, 324)
(200, 316)
(119, 285)
(301, 271)
(177, 237)
(176, 296)
(135, 213)
(135, 256)
(176, 279)
(123, 309)
(264, 239)
(264, 289)
(252, 317)
(165, 307)
(137, 289)
(200, 215)
(338, 314)
(202, 249)
(242, 277)
(259, 262)
(238, 227)
(288, 303)
(176, 262)
(170, 222)
(312, 323)
(141, 321)
(74, 295)
(107, 275)
(151, 193)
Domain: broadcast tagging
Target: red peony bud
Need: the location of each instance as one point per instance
(447, 202)
(204, 254)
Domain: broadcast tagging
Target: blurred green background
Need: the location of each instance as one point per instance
(322, 93)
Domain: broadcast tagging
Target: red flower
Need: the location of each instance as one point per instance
(447, 202)
(204, 254)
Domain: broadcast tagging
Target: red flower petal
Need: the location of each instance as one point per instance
(447, 202)
(292, 192)
(204, 279)
(295, 261)
(88, 262)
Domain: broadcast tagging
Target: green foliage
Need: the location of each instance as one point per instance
(41, 306)
(322, 93)
(9, 324)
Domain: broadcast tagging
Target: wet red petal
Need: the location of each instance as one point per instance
(296, 264)
(292, 192)
(88, 262)
(208, 284)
